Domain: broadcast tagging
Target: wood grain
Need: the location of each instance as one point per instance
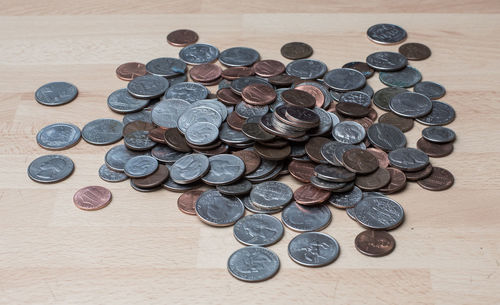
(142, 250)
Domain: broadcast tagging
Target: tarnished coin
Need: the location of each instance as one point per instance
(189, 168)
(215, 209)
(352, 110)
(205, 73)
(199, 53)
(438, 134)
(202, 133)
(411, 105)
(271, 153)
(239, 84)
(228, 97)
(246, 111)
(435, 150)
(239, 188)
(102, 131)
(418, 175)
(374, 243)
(268, 68)
(182, 37)
(334, 173)
(296, 50)
(302, 171)
(271, 195)
(56, 93)
(302, 117)
(187, 201)
(255, 132)
(407, 77)
(383, 97)
(397, 183)
(317, 90)
(415, 51)
(313, 148)
(91, 198)
(144, 115)
(432, 90)
(265, 168)
(233, 73)
(253, 264)
(408, 159)
(313, 249)
(155, 179)
(356, 97)
(361, 67)
(373, 181)
(140, 166)
(122, 102)
(224, 169)
(251, 159)
(258, 230)
(198, 114)
(239, 56)
(349, 132)
(147, 86)
(58, 136)
(306, 68)
(440, 179)
(347, 199)
(386, 137)
(404, 124)
(295, 97)
(441, 114)
(327, 185)
(110, 175)
(117, 157)
(385, 33)
(328, 152)
(176, 140)
(163, 153)
(340, 149)
(283, 80)
(379, 213)
(344, 79)
(189, 92)
(180, 188)
(50, 168)
(308, 194)
(258, 94)
(386, 61)
(360, 161)
(130, 70)
(138, 140)
(383, 160)
(166, 67)
(306, 218)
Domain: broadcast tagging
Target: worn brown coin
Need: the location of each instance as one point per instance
(435, 150)
(251, 159)
(373, 181)
(137, 126)
(182, 38)
(375, 243)
(270, 153)
(255, 132)
(314, 91)
(91, 198)
(415, 51)
(418, 175)
(187, 201)
(359, 161)
(268, 68)
(440, 179)
(258, 94)
(276, 143)
(221, 149)
(235, 121)
(404, 124)
(308, 194)
(301, 170)
(361, 67)
(283, 80)
(228, 97)
(158, 135)
(397, 183)
(299, 98)
(383, 160)
(211, 83)
(205, 73)
(130, 70)
(302, 117)
(296, 50)
(233, 73)
(313, 148)
(352, 109)
(176, 140)
(205, 147)
(153, 180)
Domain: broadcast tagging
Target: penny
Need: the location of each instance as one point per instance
(92, 198)
(233, 73)
(411, 105)
(346, 199)
(306, 218)
(341, 148)
(306, 68)
(258, 94)
(202, 133)
(298, 98)
(110, 175)
(379, 213)
(102, 131)
(136, 126)
(50, 168)
(361, 67)
(408, 159)
(224, 169)
(157, 135)
(215, 209)
(139, 140)
(140, 166)
(415, 51)
(189, 92)
(344, 79)
(383, 97)
(239, 188)
(253, 264)
(356, 97)
(318, 91)
(373, 181)
(383, 160)
(56, 93)
(313, 148)
(302, 117)
(239, 84)
(327, 185)
(348, 132)
(386, 137)
(182, 37)
(418, 175)
(385, 33)
(283, 80)
(226, 96)
(374, 243)
(186, 202)
(271, 195)
(397, 181)
(438, 134)
(147, 86)
(258, 230)
(308, 194)
(296, 50)
(199, 53)
(302, 171)
(360, 161)
(352, 110)
(238, 57)
(176, 140)
(406, 77)
(251, 159)
(130, 70)
(268, 68)
(271, 153)
(386, 61)
(58, 136)
(404, 124)
(440, 179)
(205, 72)
(435, 150)
(189, 168)
(313, 249)
(441, 114)
(432, 90)
(155, 179)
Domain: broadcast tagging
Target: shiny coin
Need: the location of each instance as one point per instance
(110, 175)
(328, 152)
(411, 105)
(197, 54)
(373, 181)
(205, 73)
(189, 92)
(386, 61)
(438, 134)
(327, 185)
(306, 68)
(202, 133)
(122, 102)
(404, 124)
(344, 79)
(254, 209)
(58, 136)
(432, 90)
(144, 115)
(313, 249)
(435, 150)
(308, 194)
(228, 97)
(187, 201)
(198, 114)
(340, 149)
(224, 169)
(214, 104)
(155, 179)
(130, 70)
(117, 157)
(92, 198)
(140, 166)
(189, 168)
(379, 213)
(253, 264)
(239, 188)
(102, 131)
(258, 230)
(167, 112)
(333, 173)
(147, 86)
(318, 91)
(415, 51)
(361, 67)
(383, 97)
(383, 160)
(271, 195)
(397, 183)
(138, 140)
(268, 68)
(306, 218)
(143, 189)
(441, 114)
(356, 97)
(440, 179)
(182, 37)
(347, 199)
(408, 159)
(386, 137)
(217, 210)
(296, 50)
(359, 161)
(56, 93)
(349, 132)
(50, 168)
(385, 33)
(407, 77)
(166, 67)
(238, 56)
(374, 243)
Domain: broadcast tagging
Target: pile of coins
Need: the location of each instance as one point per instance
(266, 120)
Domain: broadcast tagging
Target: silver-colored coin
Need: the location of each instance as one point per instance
(306, 68)
(265, 168)
(407, 77)
(408, 159)
(273, 174)
(432, 90)
(179, 188)
(246, 111)
(271, 195)
(58, 136)
(181, 78)
(383, 97)
(139, 140)
(302, 218)
(188, 91)
(313, 249)
(110, 175)
(148, 86)
(166, 67)
(232, 136)
(344, 79)
(163, 153)
(254, 209)
(199, 53)
(356, 97)
(140, 166)
(50, 168)
(334, 173)
(202, 133)
(214, 104)
(198, 114)
(122, 102)
(335, 119)
(386, 61)
(56, 93)
(386, 137)
(239, 84)
(143, 189)
(224, 84)
(253, 264)
(325, 123)
(379, 213)
(239, 57)
(347, 199)
(224, 169)
(349, 132)
(189, 168)
(258, 230)
(167, 112)
(368, 90)
(102, 131)
(279, 99)
(327, 185)
(298, 150)
(328, 152)
(438, 134)
(242, 187)
(144, 116)
(410, 105)
(117, 157)
(441, 114)
(216, 209)
(385, 33)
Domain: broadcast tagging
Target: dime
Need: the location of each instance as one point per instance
(268, 68)
(432, 90)
(308, 194)
(440, 179)
(344, 79)
(411, 105)
(58, 136)
(253, 264)
(182, 38)
(155, 179)
(306, 218)
(373, 181)
(415, 51)
(306, 68)
(189, 92)
(50, 168)
(361, 67)
(224, 169)
(130, 70)
(406, 77)
(238, 57)
(356, 97)
(271, 195)
(383, 97)
(217, 210)
(258, 94)
(296, 50)
(110, 175)
(441, 114)
(202, 133)
(92, 198)
(313, 249)
(385, 33)
(122, 102)
(349, 132)
(386, 137)
(302, 171)
(404, 124)
(102, 131)
(239, 188)
(140, 166)
(374, 243)
(258, 230)
(189, 168)
(56, 93)
(397, 183)
(438, 134)
(197, 54)
(386, 61)
(435, 150)
(147, 86)
(334, 173)
(408, 159)
(187, 201)
(347, 199)
(379, 213)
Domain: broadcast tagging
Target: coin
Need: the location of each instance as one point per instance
(385, 33)
(383, 160)
(176, 140)
(438, 134)
(217, 210)
(180, 188)
(328, 152)
(157, 135)
(233, 73)
(352, 110)
(117, 157)
(253, 264)
(130, 70)
(271, 153)
(318, 91)
(155, 179)
(298, 98)
(166, 67)
(333, 173)
(411, 105)
(58, 136)
(258, 94)
(397, 181)
(258, 230)
(383, 97)
(250, 158)
(408, 159)
(189, 168)
(404, 124)
(373, 181)
(138, 140)
(346, 199)
(102, 131)
(344, 79)
(147, 86)
(435, 150)
(121, 101)
(432, 90)
(379, 213)
(56, 93)
(314, 146)
(313, 249)
(356, 97)
(271, 195)
(199, 53)
(140, 166)
(386, 61)
(241, 187)
(50, 168)
(441, 114)
(186, 202)
(202, 133)
(306, 68)
(418, 175)
(268, 68)
(349, 132)
(296, 50)
(283, 80)
(239, 56)
(143, 115)
(239, 84)
(110, 175)
(189, 92)
(374, 243)
(406, 77)
(167, 112)
(308, 194)
(182, 37)
(196, 115)
(361, 67)
(92, 198)
(205, 73)
(224, 169)
(306, 218)
(327, 185)
(302, 171)
(440, 179)
(386, 137)
(226, 96)
(415, 51)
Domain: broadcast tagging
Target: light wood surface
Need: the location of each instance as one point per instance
(142, 250)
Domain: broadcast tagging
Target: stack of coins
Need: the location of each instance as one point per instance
(266, 119)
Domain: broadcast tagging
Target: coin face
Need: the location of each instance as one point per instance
(56, 93)
(202, 133)
(182, 37)
(333, 173)
(238, 57)
(411, 105)
(397, 181)
(379, 213)
(117, 157)
(224, 169)
(360, 161)
(166, 67)
(302, 218)
(198, 114)
(216, 209)
(432, 90)
(383, 97)
(441, 114)
(435, 150)
(271, 195)
(313, 249)
(58, 136)
(110, 175)
(154, 180)
(374, 243)
(344, 79)
(440, 179)
(102, 131)
(296, 50)
(50, 168)
(258, 230)
(130, 70)
(92, 198)
(306, 68)
(242, 187)
(346, 199)
(373, 181)
(140, 166)
(404, 124)
(189, 168)
(258, 94)
(385, 33)
(308, 194)
(415, 51)
(186, 202)
(438, 134)
(253, 264)
(356, 97)
(386, 137)
(408, 159)
(121, 101)
(197, 54)
(189, 92)
(361, 67)
(139, 140)
(386, 61)
(268, 68)
(148, 86)
(406, 77)
(349, 132)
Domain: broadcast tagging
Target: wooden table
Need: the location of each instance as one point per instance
(142, 250)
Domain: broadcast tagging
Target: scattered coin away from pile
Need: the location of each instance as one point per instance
(267, 119)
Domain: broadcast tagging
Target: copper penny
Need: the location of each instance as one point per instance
(302, 117)
(352, 110)
(315, 92)
(308, 194)
(182, 38)
(301, 170)
(359, 161)
(276, 143)
(221, 149)
(268, 68)
(397, 183)
(176, 140)
(299, 98)
(258, 94)
(92, 198)
(435, 150)
(415, 51)
(404, 124)
(374, 243)
(271, 153)
(130, 70)
(440, 179)
(313, 148)
(235, 121)
(250, 158)
(228, 97)
(373, 181)
(136, 126)
(158, 135)
(212, 83)
(372, 114)
(237, 72)
(283, 80)
(383, 160)
(153, 180)
(205, 73)
(187, 201)
(205, 147)
(418, 175)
